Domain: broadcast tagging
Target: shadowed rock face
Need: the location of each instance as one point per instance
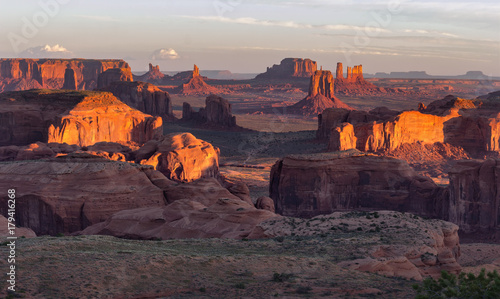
(181, 157)
(216, 113)
(70, 79)
(23, 74)
(475, 195)
(310, 185)
(67, 194)
(144, 97)
(81, 118)
(290, 68)
(114, 75)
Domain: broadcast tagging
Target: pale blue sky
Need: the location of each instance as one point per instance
(440, 37)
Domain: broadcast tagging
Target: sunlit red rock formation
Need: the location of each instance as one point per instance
(354, 83)
(310, 185)
(70, 79)
(201, 209)
(181, 157)
(216, 113)
(196, 85)
(81, 118)
(67, 194)
(114, 75)
(154, 75)
(144, 97)
(320, 97)
(290, 68)
(475, 196)
(23, 74)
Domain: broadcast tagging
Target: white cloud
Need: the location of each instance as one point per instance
(286, 24)
(164, 54)
(47, 51)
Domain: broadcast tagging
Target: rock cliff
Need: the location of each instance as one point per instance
(290, 68)
(67, 194)
(144, 97)
(216, 113)
(310, 185)
(70, 79)
(23, 74)
(79, 117)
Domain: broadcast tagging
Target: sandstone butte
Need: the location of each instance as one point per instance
(78, 117)
(320, 97)
(23, 74)
(216, 113)
(452, 120)
(154, 75)
(354, 83)
(310, 185)
(290, 68)
(144, 97)
(114, 75)
(196, 85)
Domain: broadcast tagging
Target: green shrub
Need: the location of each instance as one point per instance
(485, 285)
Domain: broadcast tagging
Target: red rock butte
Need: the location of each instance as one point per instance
(78, 117)
(196, 85)
(290, 68)
(23, 74)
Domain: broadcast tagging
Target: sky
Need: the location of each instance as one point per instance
(246, 36)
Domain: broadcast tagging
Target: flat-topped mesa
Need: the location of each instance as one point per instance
(23, 74)
(114, 75)
(77, 117)
(290, 68)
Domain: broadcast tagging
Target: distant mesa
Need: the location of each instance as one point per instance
(320, 97)
(144, 97)
(113, 75)
(470, 75)
(78, 117)
(290, 68)
(24, 74)
(216, 113)
(196, 84)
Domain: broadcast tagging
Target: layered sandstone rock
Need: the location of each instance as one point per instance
(201, 209)
(320, 97)
(81, 118)
(70, 79)
(154, 75)
(475, 195)
(18, 231)
(310, 185)
(114, 75)
(69, 193)
(144, 97)
(290, 68)
(216, 113)
(181, 157)
(23, 74)
(196, 85)
(342, 138)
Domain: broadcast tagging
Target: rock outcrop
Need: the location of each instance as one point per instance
(154, 75)
(475, 196)
(144, 97)
(310, 185)
(320, 97)
(19, 231)
(216, 113)
(81, 118)
(181, 157)
(354, 82)
(69, 193)
(70, 79)
(23, 74)
(290, 68)
(114, 75)
(196, 85)
(451, 120)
